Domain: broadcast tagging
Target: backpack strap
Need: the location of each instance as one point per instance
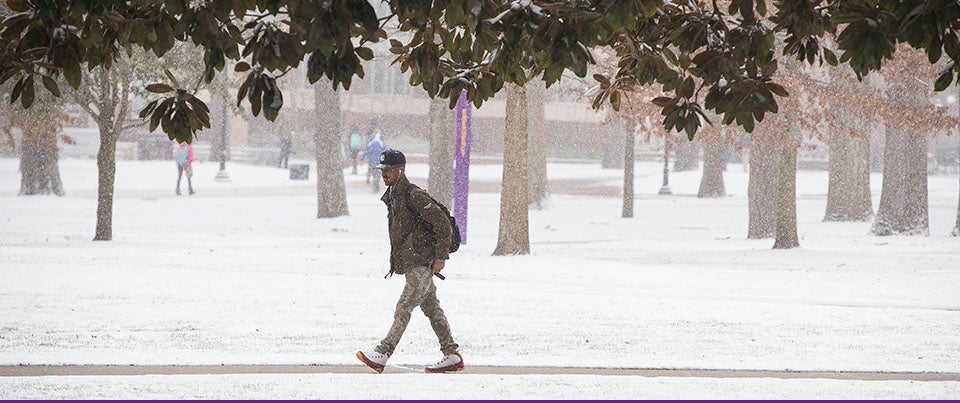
(409, 207)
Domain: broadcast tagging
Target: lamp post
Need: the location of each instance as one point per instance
(665, 189)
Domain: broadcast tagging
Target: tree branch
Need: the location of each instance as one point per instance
(84, 102)
(133, 124)
(6, 129)
(124, 81)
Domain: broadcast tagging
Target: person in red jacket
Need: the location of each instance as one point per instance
(183, 154)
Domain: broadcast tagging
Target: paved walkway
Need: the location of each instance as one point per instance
(133, 370)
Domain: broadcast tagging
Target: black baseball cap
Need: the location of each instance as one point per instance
(390, 159)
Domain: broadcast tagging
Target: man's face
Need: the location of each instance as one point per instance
(391, 175)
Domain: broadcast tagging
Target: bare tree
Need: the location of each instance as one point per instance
(40, 127)
(909, 116)
(331, 187)
(834, 107)
(106, 95)
(846, 108)
(442, 143)
(514, 233)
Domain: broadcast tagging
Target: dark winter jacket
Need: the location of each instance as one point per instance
(419, 231)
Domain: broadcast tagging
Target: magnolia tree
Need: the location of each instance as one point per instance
(718, 56)
(476, 46)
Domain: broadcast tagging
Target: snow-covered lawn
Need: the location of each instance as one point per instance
(242, 273)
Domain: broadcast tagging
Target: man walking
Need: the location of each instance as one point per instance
(419, 245)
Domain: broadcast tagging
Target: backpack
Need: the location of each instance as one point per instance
(355, 141)
(454, 228)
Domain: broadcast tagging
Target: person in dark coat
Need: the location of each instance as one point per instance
(420, 235)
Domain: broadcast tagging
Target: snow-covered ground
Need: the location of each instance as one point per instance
(243, 273)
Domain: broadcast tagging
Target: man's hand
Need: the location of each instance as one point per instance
(438, 265)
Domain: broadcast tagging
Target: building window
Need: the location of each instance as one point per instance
(387, 80)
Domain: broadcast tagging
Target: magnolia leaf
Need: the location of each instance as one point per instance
(943, 81)
(664, 101)
(17, 90)
(18, 5)
(777, 89)
(830, 57)
(748, 124)
(172, 78)
(26, 98)
(71, 70)
(159, 88)
(51, 86)
(149, 108)
(365, 53)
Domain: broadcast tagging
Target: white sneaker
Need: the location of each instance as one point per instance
(373, 359)
(449, 363)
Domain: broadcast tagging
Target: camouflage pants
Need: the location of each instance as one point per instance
(419, 291)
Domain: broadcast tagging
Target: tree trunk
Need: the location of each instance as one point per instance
(848, 195)
(220, 140)
(514, 233)
(786, 237)
(107, 173)
(612, 157)
(877, 140)
(711, 184)
(39, 167)
(903, 198)
(331, 187)
(442, 143)
(537, 135)
(763, 188)
(110, 106)
(629, 159)
(687, 155)
(956, 227)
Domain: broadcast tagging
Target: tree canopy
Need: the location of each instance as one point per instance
(718, 55)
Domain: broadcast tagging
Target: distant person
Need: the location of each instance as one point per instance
(371, 153)
(286, 147)
(183, 155)
(420, 235)
(356, 144)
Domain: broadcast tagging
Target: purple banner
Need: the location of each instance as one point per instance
(461, 164)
